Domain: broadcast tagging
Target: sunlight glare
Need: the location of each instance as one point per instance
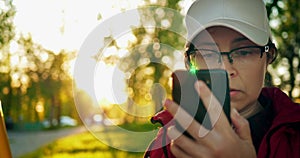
(24, 62)
(110, 51)
(165, 23)
(56, 24)
(125, 40)
(296, 92)
(281, 70)
(14, 60)
(44, 57)
(13, 46)
(109, 84)
(122, 52)
(277, 81)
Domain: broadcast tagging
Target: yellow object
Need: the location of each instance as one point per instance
(4, 145)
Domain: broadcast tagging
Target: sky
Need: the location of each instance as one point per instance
(65, 24)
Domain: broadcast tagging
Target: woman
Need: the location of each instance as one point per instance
(265, 122)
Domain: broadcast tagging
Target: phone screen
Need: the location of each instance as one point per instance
(185, 95)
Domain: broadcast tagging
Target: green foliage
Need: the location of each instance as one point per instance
(36, 76)
(7, 12)
(285, 17)
(151, 56)
(31, 75)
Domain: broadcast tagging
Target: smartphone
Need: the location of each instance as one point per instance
(185, 95)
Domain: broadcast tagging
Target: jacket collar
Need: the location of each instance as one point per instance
(285, 110)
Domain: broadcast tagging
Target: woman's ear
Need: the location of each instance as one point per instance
(187, 63)
(272, 54)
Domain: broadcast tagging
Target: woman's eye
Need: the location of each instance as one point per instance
(242, 53)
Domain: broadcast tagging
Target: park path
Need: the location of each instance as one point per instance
(22, 142)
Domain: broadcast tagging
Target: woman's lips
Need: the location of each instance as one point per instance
(234, 92)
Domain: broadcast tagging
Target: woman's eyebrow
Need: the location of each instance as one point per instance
(239, 39)
(207, 44)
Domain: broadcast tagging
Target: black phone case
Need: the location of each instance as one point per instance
(185, 95)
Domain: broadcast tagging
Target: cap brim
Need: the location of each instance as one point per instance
(259, 37)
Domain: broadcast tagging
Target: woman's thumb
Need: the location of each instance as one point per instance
(241, 125)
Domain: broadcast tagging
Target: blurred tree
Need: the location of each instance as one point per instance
(151, 56)
(39, 82)
(7, 12)
(35, 82)
(285, 21)
(48, 74)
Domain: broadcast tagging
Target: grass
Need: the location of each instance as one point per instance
(88, 145)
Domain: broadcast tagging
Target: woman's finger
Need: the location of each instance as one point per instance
(241, 125)
(214, 109)
(186, 121)
(183, 145)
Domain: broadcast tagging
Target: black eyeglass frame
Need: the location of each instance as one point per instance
(264, 49)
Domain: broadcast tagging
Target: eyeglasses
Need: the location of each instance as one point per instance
(242, 56)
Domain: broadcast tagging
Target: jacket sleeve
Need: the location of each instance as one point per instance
(160, 146)
(282, 142)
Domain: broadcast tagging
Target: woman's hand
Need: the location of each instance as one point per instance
(221, 141)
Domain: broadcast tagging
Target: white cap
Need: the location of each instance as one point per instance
(248, 17)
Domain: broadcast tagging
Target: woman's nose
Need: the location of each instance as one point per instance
(229, 66)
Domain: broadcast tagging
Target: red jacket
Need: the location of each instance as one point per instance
(282, 139)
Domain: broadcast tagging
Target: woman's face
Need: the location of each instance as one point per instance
(245, 80)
